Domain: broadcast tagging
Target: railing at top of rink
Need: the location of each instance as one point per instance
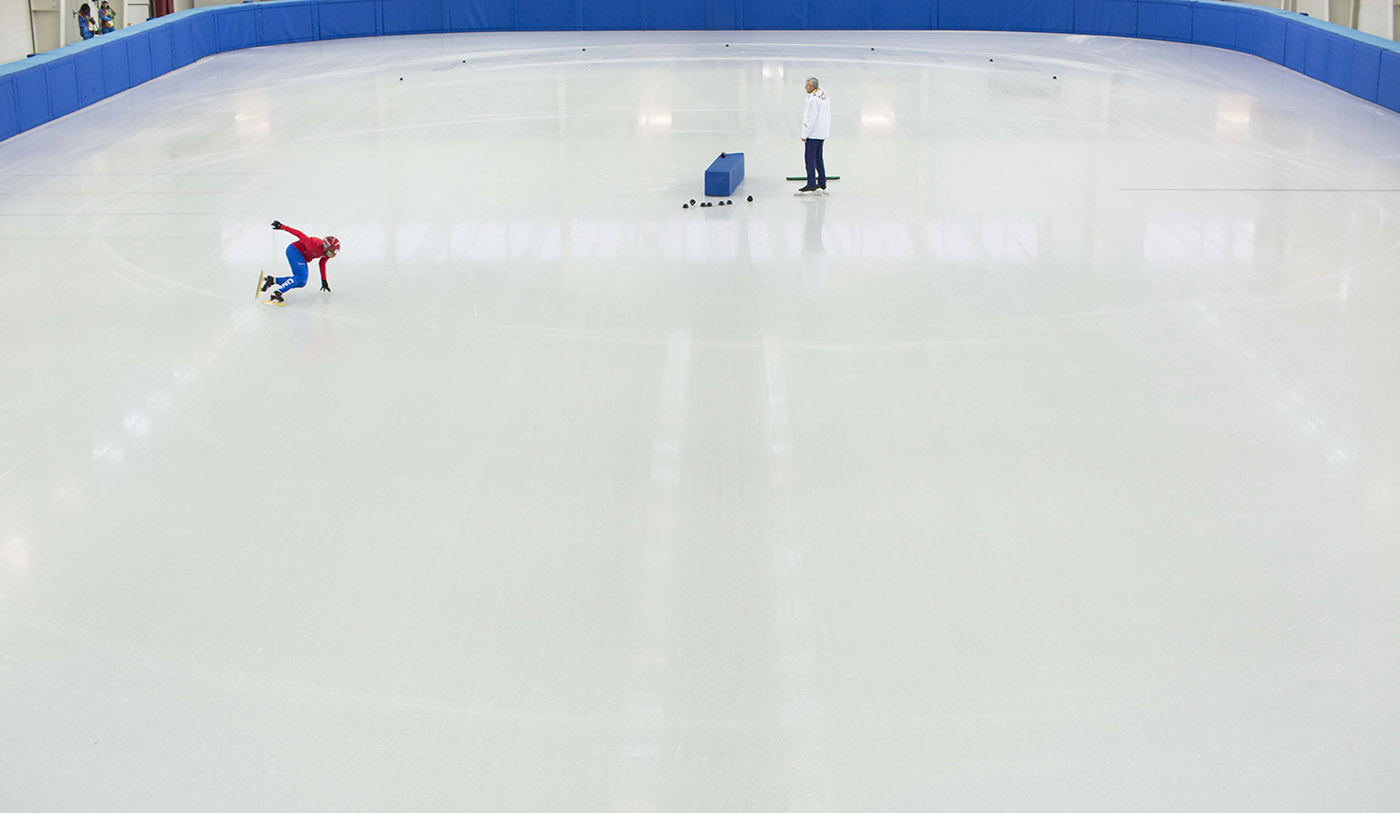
(56, 83)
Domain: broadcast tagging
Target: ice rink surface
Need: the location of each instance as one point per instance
(1052, 462)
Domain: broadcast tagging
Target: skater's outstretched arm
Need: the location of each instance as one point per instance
(288, 229)
(325, 286)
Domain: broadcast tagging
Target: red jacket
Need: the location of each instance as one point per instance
(310, 248)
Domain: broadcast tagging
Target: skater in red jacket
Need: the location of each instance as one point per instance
(304, 250)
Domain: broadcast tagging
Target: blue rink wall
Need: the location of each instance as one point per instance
(54, 84)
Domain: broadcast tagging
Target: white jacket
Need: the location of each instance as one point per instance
(816, 117)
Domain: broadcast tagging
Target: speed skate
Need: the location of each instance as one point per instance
(265, 282)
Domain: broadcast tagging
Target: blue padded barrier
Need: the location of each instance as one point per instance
(280, 23)
(1365, 72)
(116, 68)
(347, 18)
(1263, 35)
(1317, 46)
(63, 87)
(91, 85)
(1388, 92)
(1352, 65)
(1213, 24)
(1295, 54)
(138, 58)
(413, 16)
(32, 96)
(972, 15)
(182, 41)
(47, 86)
(723, 15)
(204, 35)
(1164, 20)
(546, 15)
(9, 112)
(778, 15)
(1338, 65)
(668, 15)
(480, 15)
(162, 50)
(1051, 16)
(903, 15)
(237, 27)
(1367, 52)
(611, 15)
(1117, 18)
(834, 15)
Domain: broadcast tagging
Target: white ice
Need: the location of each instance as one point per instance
(1052, 462)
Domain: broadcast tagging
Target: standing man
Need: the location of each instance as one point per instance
(816, 125)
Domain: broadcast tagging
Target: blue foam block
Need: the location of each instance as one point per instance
(725, 174)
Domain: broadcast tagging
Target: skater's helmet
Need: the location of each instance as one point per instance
(332, 246)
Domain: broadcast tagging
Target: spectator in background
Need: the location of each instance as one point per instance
(106, 19)
(85, 21)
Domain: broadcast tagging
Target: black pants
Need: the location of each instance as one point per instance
(816, 167)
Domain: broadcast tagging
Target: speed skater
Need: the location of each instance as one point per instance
(304, 250)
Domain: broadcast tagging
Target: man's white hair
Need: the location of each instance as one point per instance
(812, 82)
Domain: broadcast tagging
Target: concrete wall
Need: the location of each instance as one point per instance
(14, 30)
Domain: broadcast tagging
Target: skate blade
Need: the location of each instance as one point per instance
(274, 302)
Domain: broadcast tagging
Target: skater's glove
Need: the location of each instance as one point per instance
(277, 224)
(325, 286)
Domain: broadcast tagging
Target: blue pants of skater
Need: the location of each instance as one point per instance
(299, 272)
(816, 167)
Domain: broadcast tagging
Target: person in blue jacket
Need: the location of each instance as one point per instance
(106, 18)
(85, 21)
